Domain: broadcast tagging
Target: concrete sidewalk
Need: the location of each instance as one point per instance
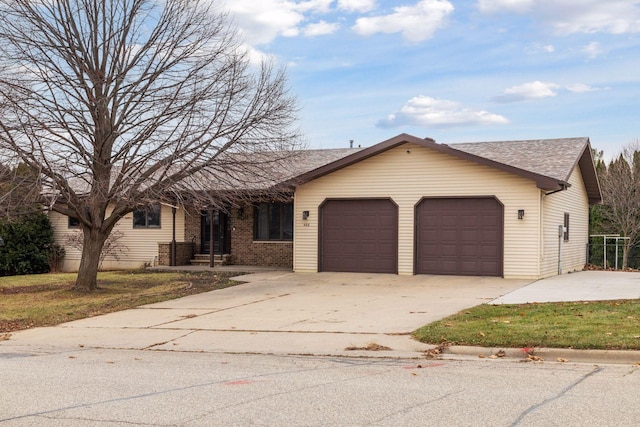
(580, 286)
(283, 313)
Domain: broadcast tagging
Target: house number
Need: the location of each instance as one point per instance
(306, 224)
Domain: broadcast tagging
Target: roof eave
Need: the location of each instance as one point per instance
(590, 175)
(543, 182)
(359, 156)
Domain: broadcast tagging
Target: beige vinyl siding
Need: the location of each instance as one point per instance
(408, 173)
(140, 245)
(575, 202)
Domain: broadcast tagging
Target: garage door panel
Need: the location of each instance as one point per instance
(468, 236)
(359, 235)
(459, 236)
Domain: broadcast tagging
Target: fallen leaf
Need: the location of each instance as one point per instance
(493, 356)
(482, 334)
(562, 360)
(372, 346)
(506, 321)
(433, 353)
(501, 353)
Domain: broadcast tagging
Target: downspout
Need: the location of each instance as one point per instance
(172, 246)
(540, 232)
(211, 254)
(563, 186)
(173, 238)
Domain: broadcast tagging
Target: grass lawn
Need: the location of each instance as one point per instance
(580, 325)
(49, 299)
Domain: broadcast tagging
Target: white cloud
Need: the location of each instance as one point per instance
(593, 50)
(416, 23)
(581, 88)
(320, 28)
(430, 112)
(262, 21)
(539, 90)
(526, 91)
(574, 16)
(356, 5)
(538, 48)
(491, 6)
(256, 57)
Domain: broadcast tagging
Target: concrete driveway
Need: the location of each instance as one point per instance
(316, 313)
(283, 313)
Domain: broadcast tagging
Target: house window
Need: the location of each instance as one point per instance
(148, 217)
(566, 227)
(273, 221)
(73, 222)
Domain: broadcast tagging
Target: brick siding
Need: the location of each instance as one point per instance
(246, 251)
(184, 253)
(192, 228)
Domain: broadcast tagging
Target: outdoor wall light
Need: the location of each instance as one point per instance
(305, 215)
(520, 213)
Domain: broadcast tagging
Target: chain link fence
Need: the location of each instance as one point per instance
(606, 251)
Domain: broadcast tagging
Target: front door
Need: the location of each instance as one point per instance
(218, 222)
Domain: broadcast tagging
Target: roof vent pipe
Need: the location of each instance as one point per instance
(351, 143)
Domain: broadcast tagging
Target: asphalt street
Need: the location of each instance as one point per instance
(99, 387)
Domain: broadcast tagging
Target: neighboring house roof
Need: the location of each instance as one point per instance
(548, 162)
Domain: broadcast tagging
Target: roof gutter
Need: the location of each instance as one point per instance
(563, 187)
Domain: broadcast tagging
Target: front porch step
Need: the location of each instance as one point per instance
(203, 259)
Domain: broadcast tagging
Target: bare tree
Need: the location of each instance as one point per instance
(621, 197)
(122, 103)
(112, 246)
(19, 192)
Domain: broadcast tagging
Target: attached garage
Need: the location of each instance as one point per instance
(359, 235)
(411, 206)
(459, 236)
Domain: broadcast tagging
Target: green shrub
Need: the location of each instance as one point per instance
(28, 242)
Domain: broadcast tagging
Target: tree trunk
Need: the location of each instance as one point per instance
(90, 261)
(625, 254)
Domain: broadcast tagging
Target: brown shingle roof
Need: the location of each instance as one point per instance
(554, 158)
(548, 162)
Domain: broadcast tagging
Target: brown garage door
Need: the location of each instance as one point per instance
(359, 235)
(460, 236)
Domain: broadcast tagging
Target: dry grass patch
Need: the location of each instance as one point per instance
(49, 299)
(583, 325)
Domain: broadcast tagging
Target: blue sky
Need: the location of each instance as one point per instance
(454, 70)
